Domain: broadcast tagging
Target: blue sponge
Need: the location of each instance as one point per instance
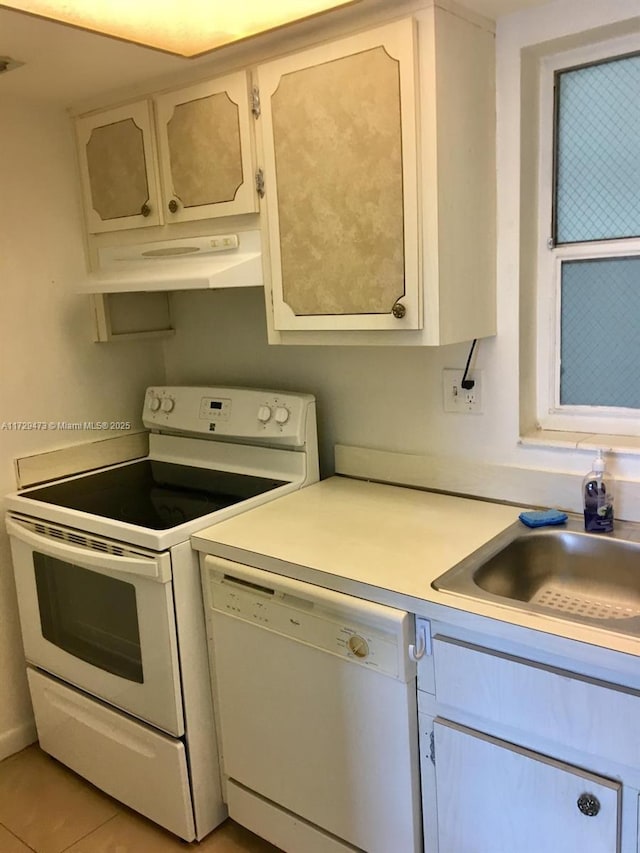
(542, 518)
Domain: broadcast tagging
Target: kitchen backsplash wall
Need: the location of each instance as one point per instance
(51, 371)
(375, 396)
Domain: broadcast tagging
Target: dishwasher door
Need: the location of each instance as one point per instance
(317, 712)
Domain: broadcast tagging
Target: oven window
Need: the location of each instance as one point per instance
(91, 616)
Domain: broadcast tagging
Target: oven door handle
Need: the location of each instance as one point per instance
(154, 568)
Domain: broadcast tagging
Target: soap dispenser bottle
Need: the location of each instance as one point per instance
(597, 493)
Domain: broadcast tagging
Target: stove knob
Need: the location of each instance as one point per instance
(167, 404)
(264, 414)
(282, 415)
(154, 404)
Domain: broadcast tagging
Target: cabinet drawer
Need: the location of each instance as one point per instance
(591, 716)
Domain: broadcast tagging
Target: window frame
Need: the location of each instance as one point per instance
(550, 413)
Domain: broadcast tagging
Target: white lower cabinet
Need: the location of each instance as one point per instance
(494, 796)
(526, 748)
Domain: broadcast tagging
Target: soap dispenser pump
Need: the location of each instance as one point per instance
(597, 492)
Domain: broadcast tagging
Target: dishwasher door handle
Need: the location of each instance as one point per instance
(422, 645)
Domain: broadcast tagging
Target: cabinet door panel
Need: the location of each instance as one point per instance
(205, 150)
(494, 797)
(314, 211)
(339, 156)
(117, 168)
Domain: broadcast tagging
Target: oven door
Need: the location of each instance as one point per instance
(100, 615)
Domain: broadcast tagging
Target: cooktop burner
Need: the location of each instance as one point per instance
(156, 495)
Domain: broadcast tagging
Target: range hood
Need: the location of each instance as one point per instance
(199, 263)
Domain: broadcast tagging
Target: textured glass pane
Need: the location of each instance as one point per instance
(598, 152)
(600, 328)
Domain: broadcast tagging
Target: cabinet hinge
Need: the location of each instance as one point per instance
(550, 243)
(255, 102)
(432, 747)
(260, 183)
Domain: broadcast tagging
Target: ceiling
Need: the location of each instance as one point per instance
(67, 65)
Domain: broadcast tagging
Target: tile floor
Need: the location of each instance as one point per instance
(46, 808)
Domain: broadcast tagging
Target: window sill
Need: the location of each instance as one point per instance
(629, 444)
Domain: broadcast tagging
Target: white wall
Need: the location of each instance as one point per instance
(50, 370)
(371, 396)
(392, 398)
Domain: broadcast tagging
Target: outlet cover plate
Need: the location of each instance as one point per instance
(459, 399)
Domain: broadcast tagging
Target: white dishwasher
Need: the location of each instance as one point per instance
(317, 715)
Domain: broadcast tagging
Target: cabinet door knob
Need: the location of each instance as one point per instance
(173, 205)
(145, 210)
(398, 311)
(589, 804)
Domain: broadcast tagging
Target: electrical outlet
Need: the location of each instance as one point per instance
(459, 399)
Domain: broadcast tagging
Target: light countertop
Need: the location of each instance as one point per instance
(384, 543)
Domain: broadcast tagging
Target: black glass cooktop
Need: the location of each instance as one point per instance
(156, 495)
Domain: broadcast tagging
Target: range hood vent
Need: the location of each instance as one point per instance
(200, 263)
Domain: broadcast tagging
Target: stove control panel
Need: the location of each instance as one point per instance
(269, 417)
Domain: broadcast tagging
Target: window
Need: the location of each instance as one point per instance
(588, 363)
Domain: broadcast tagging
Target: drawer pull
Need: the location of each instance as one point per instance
(589, 805)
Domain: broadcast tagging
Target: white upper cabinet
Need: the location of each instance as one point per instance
(193, 162)
(117, 168)
(378, 152)
(204, 150)
(375, 182)
(340, 170)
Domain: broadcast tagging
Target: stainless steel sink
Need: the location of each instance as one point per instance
(585, 577)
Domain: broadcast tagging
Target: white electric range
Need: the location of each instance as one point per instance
(110, 598)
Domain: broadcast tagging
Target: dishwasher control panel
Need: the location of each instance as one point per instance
(367, 634)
